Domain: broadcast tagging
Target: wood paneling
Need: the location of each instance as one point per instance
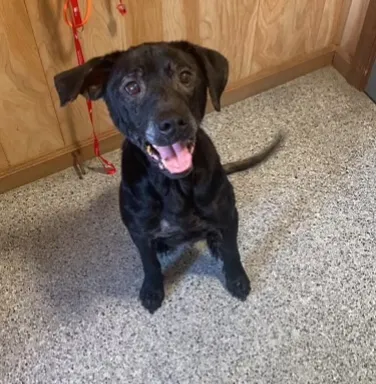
(60, 160)
(342, 62)
(270, 78)
(3, 159)
(28, 127)
(191, 14)
(329, 23)
(254, 34)
(353, 26)
(357, 43)
(174, 21)
(289, 28)
(307, 20)
(274, 41)
(103, 33)
(219, 19)
(365, 54)
(146, 21)
(343, 16)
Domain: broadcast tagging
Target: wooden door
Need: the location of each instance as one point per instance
(28, 124)
(103, 33)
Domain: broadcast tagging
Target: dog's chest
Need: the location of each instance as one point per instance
(181, 229)
(179, 218)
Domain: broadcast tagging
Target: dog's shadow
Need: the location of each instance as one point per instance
(193, 259)
(83, 255)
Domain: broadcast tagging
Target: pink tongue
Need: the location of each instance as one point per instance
(176, 157)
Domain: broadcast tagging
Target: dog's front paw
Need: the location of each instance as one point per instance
(151, 296)
(239, 286)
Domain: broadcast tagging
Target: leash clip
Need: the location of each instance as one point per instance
(121, 8)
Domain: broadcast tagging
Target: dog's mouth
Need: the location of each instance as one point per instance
(176, 158)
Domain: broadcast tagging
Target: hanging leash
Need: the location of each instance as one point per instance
(77, 23)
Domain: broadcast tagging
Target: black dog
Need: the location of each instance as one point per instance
(174, 188)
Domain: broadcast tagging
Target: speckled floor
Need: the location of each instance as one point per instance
(69, 275)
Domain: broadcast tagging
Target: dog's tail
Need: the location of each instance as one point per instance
(242, 165)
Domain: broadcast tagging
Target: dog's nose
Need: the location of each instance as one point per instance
(172, 124)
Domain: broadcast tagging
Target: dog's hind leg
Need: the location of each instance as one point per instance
(225, 247)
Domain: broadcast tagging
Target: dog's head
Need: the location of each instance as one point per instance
(156, 96)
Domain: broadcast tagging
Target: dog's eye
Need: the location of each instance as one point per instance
(185, 77)
(132, 88)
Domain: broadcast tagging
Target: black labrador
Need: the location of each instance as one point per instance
(173, 188)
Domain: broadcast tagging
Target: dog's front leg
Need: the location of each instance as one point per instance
(152, 290)
(225, 247)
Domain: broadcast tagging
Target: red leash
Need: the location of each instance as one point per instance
(76, 23)
(121, 8)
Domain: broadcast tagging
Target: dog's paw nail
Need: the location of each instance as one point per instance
(239, 287)
(151, 298)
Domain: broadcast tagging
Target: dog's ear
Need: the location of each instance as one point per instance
(214, 65)
(89, 79)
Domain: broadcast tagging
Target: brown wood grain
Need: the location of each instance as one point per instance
(289, 28)
(365, 54)
(174, 19)
(229, 27)
(307, 20)
(102, 34)
(330, 23)
(342, 62)
(274, 39)
(342, 21)
(146, 20)
(4, 164)
(278, 75)
(25, 173)
(28, 127)
(353, 26)
(191, 12)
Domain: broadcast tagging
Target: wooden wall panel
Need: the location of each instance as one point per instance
(29, 127)
(220, 22)
(103, 33)
(254, 35)
(290, 28)
(353, 26)
(4, 164)
(174, 19)
(191, 14)
(274, 40)
(307, 20)
(329, 23)
(145, 19)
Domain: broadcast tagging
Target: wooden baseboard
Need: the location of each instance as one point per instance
(365, 54)
(278, 75)
(58, 161)
(342, 62)
(47, 165)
